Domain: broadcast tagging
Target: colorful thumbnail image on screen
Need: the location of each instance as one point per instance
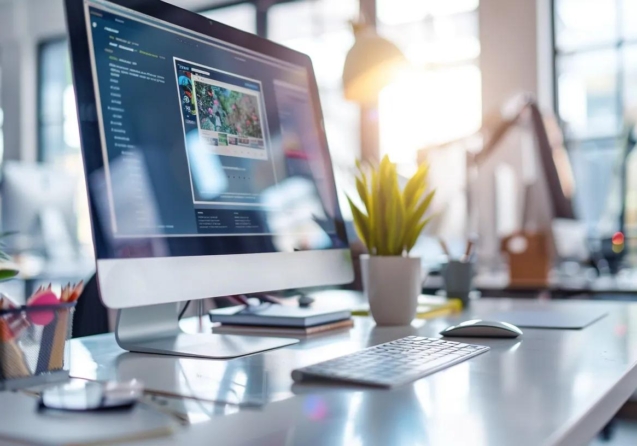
(231, 112)
(227, 116)
(225, 109)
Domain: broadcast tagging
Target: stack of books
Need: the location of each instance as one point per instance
(279, 320)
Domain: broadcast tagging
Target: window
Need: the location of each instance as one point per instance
(595, 72)
(58, 130)
(322, 30)
(439, 98)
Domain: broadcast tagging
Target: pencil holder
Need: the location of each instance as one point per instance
(458, 278)
(33, 345)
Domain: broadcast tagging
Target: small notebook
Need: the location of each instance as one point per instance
(274, 315)
(261, 330)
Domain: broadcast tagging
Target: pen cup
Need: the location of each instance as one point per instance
(458, 279)
(33, 345)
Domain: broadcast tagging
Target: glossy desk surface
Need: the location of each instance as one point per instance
(553, 387)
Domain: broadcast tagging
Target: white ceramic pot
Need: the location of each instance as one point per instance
(392, 286)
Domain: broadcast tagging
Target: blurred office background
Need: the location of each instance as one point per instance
(467, 59)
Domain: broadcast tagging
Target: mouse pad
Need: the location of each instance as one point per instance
(556, 319)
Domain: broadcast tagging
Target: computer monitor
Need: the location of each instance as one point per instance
(207, 168)
(38, 207)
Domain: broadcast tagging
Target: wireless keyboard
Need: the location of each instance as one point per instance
(391, 364)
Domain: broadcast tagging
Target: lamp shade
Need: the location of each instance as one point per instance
(371, 64)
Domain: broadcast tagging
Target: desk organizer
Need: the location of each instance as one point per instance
(33, 347)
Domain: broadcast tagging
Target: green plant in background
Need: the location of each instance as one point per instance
(390, 220)
(7, 268)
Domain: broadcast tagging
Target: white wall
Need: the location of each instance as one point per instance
(516, 51)
(23, 25)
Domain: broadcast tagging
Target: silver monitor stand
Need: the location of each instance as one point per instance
(155, 329)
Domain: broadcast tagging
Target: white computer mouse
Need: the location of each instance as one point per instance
(478, 328)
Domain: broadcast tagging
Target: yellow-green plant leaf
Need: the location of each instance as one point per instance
(413, 198)
(419, 212)
(6, 274)
(361, 223)
(388, 171)
(393, 197)
(415, 233)
(373, 201)
(415, 186)
(363, 193)
(360, 168)
(362, 175)
(378, 218)
(399, 211)
(390, 219)
(389, 187)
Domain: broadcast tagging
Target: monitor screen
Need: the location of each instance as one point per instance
(206, 146)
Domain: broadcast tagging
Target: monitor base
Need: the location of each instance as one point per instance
(155, 329)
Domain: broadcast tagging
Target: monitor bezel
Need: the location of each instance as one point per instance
(85, 95)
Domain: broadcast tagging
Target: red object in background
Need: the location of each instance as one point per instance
(618, 238)
(297, 154)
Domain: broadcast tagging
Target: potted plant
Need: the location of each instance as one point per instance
(389, 222)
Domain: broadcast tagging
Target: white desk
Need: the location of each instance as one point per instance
(552, 387)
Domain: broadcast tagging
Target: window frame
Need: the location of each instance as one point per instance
(613, 145)
(40, 45)
(617, 47)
